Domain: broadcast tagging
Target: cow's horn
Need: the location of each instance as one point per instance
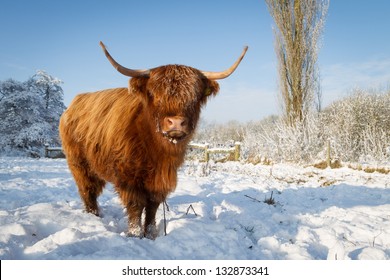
(227, 72)
(123, 70)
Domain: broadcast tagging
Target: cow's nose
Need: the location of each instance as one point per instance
(175, 124)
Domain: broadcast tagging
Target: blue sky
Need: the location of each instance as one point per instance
(62, 38)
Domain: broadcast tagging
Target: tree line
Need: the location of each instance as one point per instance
(356, 128)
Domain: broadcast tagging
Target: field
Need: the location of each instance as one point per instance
(218, 211)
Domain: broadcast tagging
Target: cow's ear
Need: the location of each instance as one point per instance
(211, 89)
(138, 85)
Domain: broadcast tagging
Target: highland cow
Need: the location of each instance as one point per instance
(136, 137)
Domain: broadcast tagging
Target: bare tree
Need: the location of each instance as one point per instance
(299, 25)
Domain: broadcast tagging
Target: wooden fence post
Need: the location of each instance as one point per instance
(206, 153)
(46, 150)
(237, 148)
(328, 161)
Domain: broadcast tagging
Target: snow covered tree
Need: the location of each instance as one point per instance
(29, 114)
(359, 126)
(9, 110)
(273, 140)
(51, 94)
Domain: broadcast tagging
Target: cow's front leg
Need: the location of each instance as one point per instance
(150, 219)
(134, 198)
(134, 212)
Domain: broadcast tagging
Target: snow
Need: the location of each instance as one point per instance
(317, 214)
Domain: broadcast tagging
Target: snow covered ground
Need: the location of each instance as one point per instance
(317, 214)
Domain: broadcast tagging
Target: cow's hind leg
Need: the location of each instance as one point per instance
(90, 186)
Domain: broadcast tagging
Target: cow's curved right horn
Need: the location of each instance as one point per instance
(123, 70)
(227, 72)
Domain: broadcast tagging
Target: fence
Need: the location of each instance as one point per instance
(233, 152)
(53, 152)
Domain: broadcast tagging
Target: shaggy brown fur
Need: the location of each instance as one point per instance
(122, 136)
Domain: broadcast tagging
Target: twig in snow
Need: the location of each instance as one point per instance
(166, 205)
(373, 242)
(165, 220)
(345, 238)
(190, 207)
(254, 199)
(271, 200)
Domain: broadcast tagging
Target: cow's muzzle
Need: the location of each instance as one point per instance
(175, 128)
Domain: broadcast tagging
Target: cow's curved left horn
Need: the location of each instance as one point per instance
(227, 72)
(123, 70)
